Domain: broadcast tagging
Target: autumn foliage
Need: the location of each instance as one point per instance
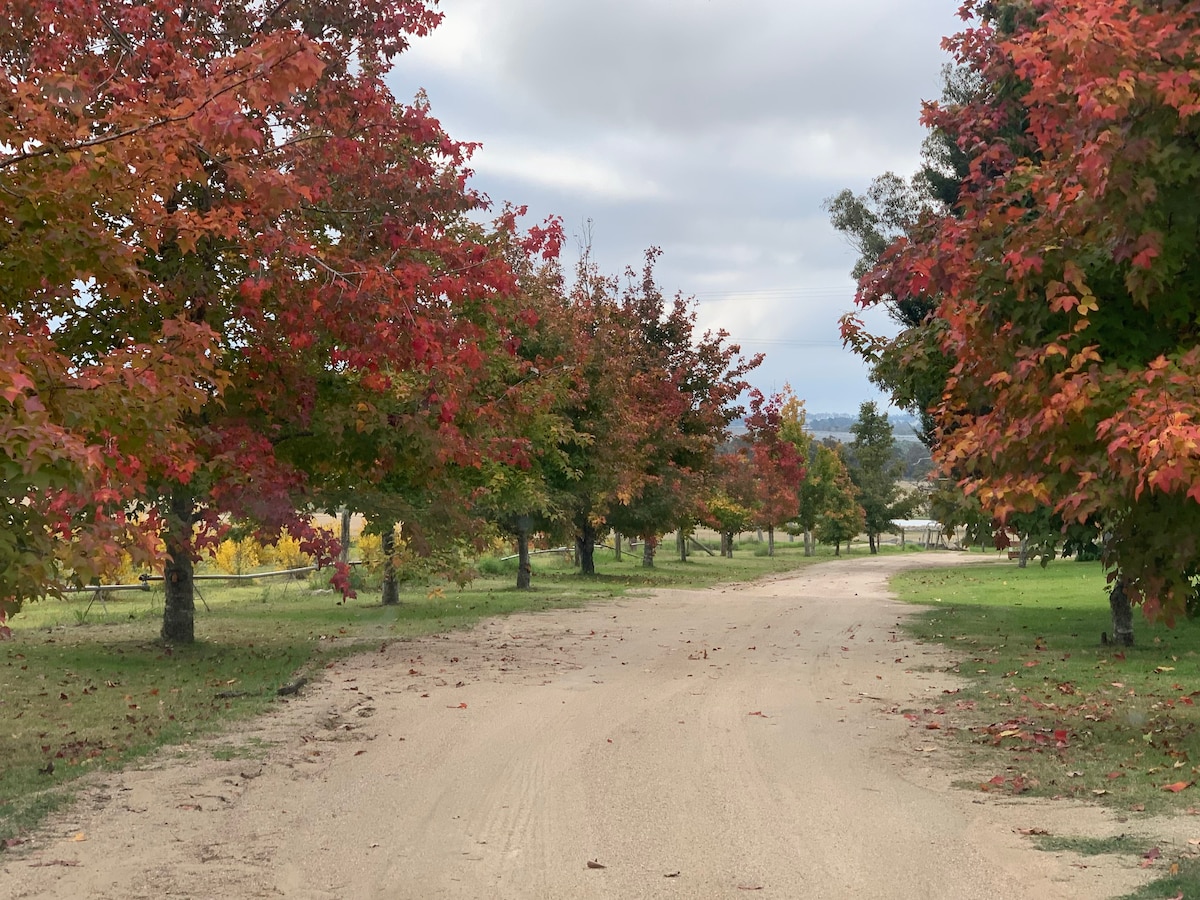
(1066, 277)
(240, 281)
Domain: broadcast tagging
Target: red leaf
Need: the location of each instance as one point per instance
(1177, 786)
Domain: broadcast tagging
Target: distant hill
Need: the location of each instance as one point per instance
(837, 425)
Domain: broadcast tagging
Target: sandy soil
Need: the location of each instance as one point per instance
(748, 740)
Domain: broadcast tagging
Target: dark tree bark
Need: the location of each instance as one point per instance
(391, 589)
(648, 553)
(179, 586)
(617, 546)
(524, 566)
(808, 542)
(585, 549)
(681, 545)
(345, 535)
(871, 542)
(1122, 614)
(771, 540)
(1023, 559)
(837, 548)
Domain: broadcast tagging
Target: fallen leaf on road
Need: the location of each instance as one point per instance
(80, 837)
(592, 864)
(359, 752)
(459, 706)
(1152, 853)
(749, 887)
(758, 713)
(1031, 831)
(671, 875)
(56, 862)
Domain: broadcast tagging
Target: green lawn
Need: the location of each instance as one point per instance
(1048, 708)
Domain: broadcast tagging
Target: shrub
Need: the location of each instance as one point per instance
(370, 551)
(493, 565)
(238, 557)
(288, 555)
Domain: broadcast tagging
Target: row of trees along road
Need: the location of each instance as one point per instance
(241, 282)
(1044, 268)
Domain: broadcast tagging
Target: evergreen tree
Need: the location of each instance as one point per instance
(875, 468)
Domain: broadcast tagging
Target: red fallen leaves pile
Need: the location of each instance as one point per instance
(1023, 729)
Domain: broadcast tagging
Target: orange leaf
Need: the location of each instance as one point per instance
(1177, 786)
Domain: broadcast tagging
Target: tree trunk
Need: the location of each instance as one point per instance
(1122, 614)
(760, 536)
(524, 567)
(681, 545)
(179, 586)
(344, 516)
(808, 542)
(391, 590)
(871, 542)
(770, 540)
(617, 546)
(585, 549)
(837, 548)
(648, 553)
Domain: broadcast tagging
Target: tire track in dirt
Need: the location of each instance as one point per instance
(696, 744)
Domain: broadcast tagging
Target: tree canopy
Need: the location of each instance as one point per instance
(1067, 277)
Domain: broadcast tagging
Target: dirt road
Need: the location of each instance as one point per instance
(743, 741)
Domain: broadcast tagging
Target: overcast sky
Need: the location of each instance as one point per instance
(710, 128)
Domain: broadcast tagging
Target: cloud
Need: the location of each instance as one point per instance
(713, 129)
(565, 171)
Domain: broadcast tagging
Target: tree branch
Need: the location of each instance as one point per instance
(100, 140)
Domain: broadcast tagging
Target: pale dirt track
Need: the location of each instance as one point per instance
(744, 741)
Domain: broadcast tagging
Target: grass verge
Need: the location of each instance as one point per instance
(86, 685)
(1049, 710)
